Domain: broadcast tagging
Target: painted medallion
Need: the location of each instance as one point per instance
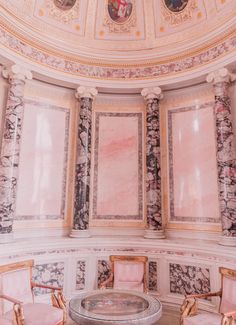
(120, 10)
(176, 5)
(64, 4)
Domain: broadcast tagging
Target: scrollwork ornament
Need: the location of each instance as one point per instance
(63, 16)
(178, 17)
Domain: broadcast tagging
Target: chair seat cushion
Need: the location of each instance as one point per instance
(203, 319)
(40, 314)
(4, 321)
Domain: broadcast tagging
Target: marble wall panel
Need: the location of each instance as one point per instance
(189, 279)
(43, 161)
(80, 275)
(152, 276)
(48, 274)
(117, 188)
(103, 271)
(192, 164)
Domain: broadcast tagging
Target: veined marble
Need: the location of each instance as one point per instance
(82, 180)
(152, 276)
(80, 275)
(9, 160)
(188, 279)
(226, 159)
(49, 274)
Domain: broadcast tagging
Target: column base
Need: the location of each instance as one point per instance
(155, 234)
(6, 238)
(227, 241)
(80, 233)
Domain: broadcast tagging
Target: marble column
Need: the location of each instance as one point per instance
(10, 148)
(226, 154)
(83, 164)
(153, 163)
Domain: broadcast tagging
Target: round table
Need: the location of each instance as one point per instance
(113, 307)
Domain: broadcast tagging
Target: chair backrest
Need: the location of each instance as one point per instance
(15, 281)
(129, 272)
(228, 283)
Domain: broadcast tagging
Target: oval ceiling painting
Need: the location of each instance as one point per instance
(176, 5)
(120, 10)
(64, 4)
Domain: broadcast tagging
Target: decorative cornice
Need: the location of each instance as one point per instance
(221, 75)
(87, 92)
(151, 93)
(173, 65)
(16, 72)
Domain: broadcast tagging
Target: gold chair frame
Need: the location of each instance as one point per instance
(57, 297)
(113, 258)
(190, 304)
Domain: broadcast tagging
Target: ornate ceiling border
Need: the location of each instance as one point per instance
(184, 62)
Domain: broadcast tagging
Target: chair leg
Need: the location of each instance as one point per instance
(60, 302)
(188, 308)
(226, 320)
(18, 315)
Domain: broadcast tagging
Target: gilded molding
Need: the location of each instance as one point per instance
(218, 48)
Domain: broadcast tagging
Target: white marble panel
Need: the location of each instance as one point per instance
(193, 167)
(43, 162)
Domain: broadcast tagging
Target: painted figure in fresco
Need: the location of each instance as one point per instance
(176, 5)
(64, 4)
(120, 10)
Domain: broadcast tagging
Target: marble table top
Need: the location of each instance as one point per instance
(113, 307)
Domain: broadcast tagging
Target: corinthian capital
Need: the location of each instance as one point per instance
(88, 92)
(151, 93)
(221, 75)
(17, 72)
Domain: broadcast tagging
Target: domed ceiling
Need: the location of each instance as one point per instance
(118, 32)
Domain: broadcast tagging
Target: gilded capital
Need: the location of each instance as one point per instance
(17, 72)
(88, 92)
(152, 93)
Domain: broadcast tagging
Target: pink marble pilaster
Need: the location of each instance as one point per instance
(83, 164)
(154, 229)
(10, 149)
(226, 155)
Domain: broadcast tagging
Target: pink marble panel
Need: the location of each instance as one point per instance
(118, 166)
(43, 155)
(193, 167)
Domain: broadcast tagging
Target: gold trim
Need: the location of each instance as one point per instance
(127, 258)
(17, 265)
(194, 226)
(216, 41)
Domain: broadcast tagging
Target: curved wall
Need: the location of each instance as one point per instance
(188, 260)
(175, 267)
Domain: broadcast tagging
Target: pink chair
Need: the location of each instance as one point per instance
(227, 311)
(127, 273)
(16, 298)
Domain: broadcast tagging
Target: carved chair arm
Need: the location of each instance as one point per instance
(205, 295)
(104, 283)
(38, 285)
(230, 313)
(13, 300)
(18, 318)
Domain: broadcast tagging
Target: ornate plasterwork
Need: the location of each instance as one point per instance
(125, 27)
(172, 65)
(132, 28)
(63, 16)
(175, 18)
